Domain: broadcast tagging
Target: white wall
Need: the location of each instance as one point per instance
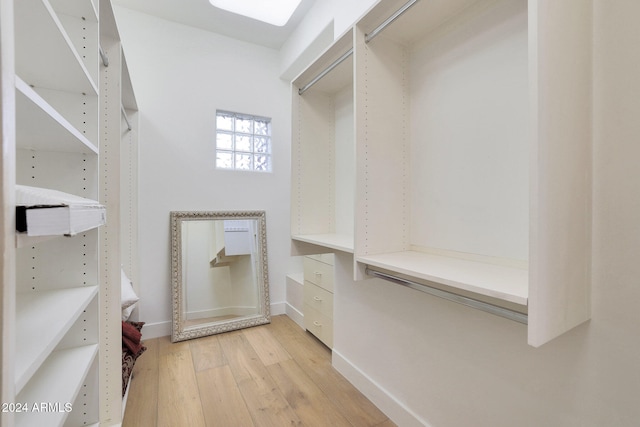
(430, 362)
(181, 75)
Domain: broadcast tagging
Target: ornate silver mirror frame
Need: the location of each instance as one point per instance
(251, 267)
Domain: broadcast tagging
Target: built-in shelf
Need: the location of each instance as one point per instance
(53, 133)
(433, 126)
(42, 319)
(57, 64)
(340, 242)
(502, 282)
(57, 382)
(64, 331)
(323, 166)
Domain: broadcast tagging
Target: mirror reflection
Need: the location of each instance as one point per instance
(220, 280)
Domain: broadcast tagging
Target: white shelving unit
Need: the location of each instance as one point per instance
(60, 295)
(129, 180)
(323, 177)
(59, 382)
(118, 191)
(57, 280)
(48, 58)
(53, 125)
(465, 179)
(503, 282)
(43, 319)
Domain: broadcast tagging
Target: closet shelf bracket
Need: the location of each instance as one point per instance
(126, 119)
(104, 57)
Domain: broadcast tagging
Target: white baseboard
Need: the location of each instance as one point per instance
(156, 330)
(387, 403)
(278, 308)
(295, 315)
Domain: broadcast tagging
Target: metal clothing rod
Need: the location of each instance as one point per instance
(469, 302)
(105, 58)
(370, 36)
(338, 61)
(126, 119)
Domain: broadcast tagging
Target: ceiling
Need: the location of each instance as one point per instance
(200, 14)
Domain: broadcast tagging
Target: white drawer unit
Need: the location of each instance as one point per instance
(319, 325)
(318, 296)
(319, 273)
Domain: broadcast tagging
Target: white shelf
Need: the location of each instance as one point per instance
(57, 64)
(53, 132)
(340, 242)
(493, 280)
(42, 319)
(58, 382)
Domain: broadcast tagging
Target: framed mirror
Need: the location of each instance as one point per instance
(219, 272)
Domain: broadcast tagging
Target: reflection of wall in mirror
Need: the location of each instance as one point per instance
(222, 288)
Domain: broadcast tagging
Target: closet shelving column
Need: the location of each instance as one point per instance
(129, 179)
(323, 150)
(118, 191)
(466, 178)
(56, 319)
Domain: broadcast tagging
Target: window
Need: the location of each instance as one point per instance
(243, 142)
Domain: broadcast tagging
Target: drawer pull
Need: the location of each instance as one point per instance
(318, 274)
(316, 298)
(318, 324)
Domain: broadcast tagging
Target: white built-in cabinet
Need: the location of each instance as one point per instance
(318, 272)
(466, 160)
(62, 130)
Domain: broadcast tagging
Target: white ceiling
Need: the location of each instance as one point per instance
(200, 14)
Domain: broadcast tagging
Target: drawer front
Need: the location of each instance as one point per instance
(324, 258)
(318, 273)
(319, 325)
(319, 299)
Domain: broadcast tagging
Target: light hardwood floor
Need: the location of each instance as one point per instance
(272, 375)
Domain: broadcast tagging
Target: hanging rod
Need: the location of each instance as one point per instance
(370, 36)
(126, 119)
(469, 302)
(105, 58)
(337, 62)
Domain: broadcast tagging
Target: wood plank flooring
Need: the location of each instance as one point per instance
(268, 376)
